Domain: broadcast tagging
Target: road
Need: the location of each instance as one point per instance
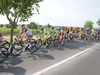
(86, 64)
(27, 64)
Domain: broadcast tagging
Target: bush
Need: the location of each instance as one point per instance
(7, 31)
(32, 25)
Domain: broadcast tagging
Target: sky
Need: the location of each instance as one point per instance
(65, 13)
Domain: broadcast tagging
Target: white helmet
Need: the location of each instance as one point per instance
(61, 30)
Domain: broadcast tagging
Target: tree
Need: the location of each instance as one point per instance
(18, 10)
(98, 22)
(1, 25)
(33, 25)
(63, 27)
(88, 24)
(49, 26)
(40, 26)
(8, 25)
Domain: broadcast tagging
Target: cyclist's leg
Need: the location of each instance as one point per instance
(86, 38)
(98, 36)
(0, 39)
(45, 39)
(60, 39)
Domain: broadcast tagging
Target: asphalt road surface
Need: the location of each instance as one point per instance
(86, 64)
(27, 64)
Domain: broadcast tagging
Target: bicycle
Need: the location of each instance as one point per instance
(3, 54)
(7, 49)
(30, 46)
(57, 41)
(45, 42)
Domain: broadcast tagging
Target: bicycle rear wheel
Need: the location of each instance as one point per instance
(17, 49)
(32, 46)
(3, 54)
(49, 41)
(38, 43)
(56, 43)
(63, 42)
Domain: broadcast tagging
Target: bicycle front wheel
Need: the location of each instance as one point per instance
(16, 49)
(3, 54)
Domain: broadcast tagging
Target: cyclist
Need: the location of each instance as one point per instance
(26, 34)
(1, 37)
(76, 32)
(82, 33)
(93, 33)
(55, 32)
(98, 33)
(66, 32)
(61, 35)
(46, 35)
(87, 32)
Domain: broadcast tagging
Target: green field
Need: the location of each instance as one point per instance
(6, 31)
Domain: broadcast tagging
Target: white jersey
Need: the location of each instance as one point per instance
(28, 31)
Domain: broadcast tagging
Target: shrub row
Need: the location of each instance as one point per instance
(7, 31)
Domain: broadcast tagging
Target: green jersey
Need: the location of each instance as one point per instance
(46, 32)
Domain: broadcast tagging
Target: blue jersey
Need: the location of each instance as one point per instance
(98, 31)
(87, 31)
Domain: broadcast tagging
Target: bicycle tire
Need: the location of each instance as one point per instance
(56, 43)
(48, 41)
(63, 42)
(32, 48)
(6, 44)
(3, 54)
(38, 43)
(16, 51)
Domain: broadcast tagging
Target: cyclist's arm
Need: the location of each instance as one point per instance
(20, 33)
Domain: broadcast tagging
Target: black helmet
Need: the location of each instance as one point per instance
(22, 25)
(42, 28)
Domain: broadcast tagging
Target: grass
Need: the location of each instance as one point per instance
(6, 31)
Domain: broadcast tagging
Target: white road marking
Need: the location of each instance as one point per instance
(60, 63)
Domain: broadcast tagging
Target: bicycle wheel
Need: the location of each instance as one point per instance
(3, 54)
(16, 49)
(65, 37)
(63, 42)
(51, 40)
(38, 43)
(56, 43)
(48, 41)
(32, 46)
(71, 38)
(6, 44)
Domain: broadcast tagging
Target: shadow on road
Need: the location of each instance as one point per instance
(8, 66)
(70, 45)
(41, 56)
(12, 70)
(42, 53)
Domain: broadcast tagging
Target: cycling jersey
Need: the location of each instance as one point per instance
(94, 31)
(98, 31)
(61, 33)
(28, 32)
(46, 33)
(55, 33)
(87, 31)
